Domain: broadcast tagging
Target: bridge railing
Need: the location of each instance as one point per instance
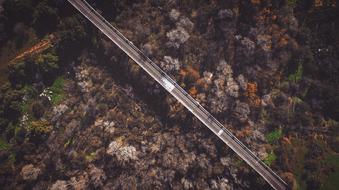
(210, 118)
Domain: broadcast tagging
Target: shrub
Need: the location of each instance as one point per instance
(47, 64)
(274, 136)
(17, 73)
(40, 127)
(57, 90)
(296, 77)
(271, 157)
(292, 3)
(3, 144)
(38, 109)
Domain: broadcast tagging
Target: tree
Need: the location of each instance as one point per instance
(45, 18)
(72, 37)
(18, 11)
(48, 66)
(38, 109)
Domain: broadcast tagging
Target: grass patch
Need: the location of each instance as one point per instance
(3, 144)
(274, 136)
(57, 90)
(296, 77)
(271, 157)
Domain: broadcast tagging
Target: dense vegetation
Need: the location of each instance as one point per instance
(81, 113)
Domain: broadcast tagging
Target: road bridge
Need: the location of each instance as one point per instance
(180, 94)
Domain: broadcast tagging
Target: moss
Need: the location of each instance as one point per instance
(274, 136)
(57, 91)
(271, 157)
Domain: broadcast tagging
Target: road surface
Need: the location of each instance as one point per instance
(181, 95)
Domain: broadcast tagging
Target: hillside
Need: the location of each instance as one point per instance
(77, 113)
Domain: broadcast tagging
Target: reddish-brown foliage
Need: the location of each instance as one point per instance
(251, 94)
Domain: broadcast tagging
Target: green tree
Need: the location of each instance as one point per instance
(18, 11)
(73, 36)
(48, 66)
(45, 18)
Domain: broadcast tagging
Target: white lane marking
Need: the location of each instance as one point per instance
(220, 132)
(169, 86)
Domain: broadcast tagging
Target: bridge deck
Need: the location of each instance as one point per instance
(181, 95)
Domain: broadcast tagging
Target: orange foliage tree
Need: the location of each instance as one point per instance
(251, 94)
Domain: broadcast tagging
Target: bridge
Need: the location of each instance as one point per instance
(180, 94)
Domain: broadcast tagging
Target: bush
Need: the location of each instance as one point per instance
(3, 144)
(72, 37)
(296, 77)
(292, 3)
(40, 127)
(38, 109)
(271, 157)
(45, 18)
(47, 65)
(17, 74)
(57, 90)
(274, 136)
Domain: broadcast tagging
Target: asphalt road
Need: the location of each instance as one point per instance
(181, 95)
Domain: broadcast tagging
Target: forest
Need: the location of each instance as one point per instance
(77, 113)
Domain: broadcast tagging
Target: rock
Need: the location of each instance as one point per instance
(170, 64)
(174, 15)
(226, 13)
(59, 185)
(177, 37)
(30, 173)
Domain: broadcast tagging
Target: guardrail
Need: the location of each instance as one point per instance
(201, 113)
